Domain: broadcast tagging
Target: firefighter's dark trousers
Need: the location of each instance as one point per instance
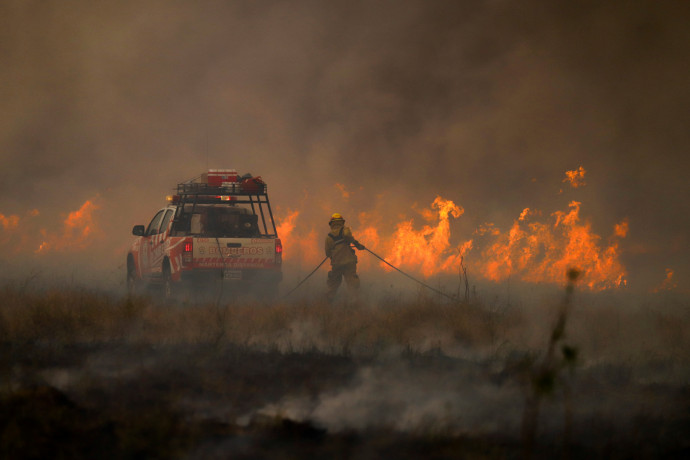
(335, 278)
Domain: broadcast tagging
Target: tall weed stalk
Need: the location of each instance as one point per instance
(546, 375)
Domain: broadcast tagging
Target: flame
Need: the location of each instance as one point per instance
(17, 231)
(311, 247)
(428, 249)
(303, 249)
(543, 252)
(343, 191)
(78, 231)
(621, 230)
(9, 222)
(536, 248)
(532, 249)
(668, 283)
(9, 227)
(286, 225)
(576, 178)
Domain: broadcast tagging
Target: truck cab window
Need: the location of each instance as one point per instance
(197, 224)
(166, 221)
(155, 223)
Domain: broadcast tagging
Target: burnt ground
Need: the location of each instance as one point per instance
(131, 388)
(183, 401)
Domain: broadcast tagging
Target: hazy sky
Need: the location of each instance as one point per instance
(484, 103)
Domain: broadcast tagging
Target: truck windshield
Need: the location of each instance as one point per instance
(216, 221)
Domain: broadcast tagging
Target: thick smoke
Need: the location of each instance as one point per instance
(487, 104)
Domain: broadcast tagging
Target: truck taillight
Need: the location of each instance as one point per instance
(187, 252)
(279, 251)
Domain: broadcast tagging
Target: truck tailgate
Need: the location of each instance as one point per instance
(234, 253)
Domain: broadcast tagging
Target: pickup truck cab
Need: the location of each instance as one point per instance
(209, 234)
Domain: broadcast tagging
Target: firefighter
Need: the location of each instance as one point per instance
(339, 242)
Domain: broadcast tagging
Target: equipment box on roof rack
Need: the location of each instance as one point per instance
(216, 177)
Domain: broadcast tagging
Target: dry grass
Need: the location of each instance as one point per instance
(336, 378)
(68, 316)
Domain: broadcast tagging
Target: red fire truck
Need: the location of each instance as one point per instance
(217, 228)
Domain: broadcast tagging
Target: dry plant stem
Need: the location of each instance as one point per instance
(568, 421)
(467, 283)
(544, 376)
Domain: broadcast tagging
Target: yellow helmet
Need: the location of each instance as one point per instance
(335, 217)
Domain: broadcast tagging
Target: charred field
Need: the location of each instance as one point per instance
(88, 373)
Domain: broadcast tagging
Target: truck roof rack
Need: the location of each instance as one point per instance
(231, 193)
(230, 189)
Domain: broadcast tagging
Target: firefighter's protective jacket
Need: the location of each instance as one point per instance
(338, 246)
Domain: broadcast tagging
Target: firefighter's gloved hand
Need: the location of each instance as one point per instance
(359, 246)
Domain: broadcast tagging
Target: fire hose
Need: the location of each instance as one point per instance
(409, 276)
(385, 262)
(305, 279)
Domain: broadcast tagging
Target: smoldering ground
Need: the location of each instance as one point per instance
(409, 376)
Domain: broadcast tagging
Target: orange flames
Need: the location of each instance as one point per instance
(305, 248)
(15, 232)
(21, 233)
(78, 231)
(576, 178)
(9, 225)
(533, 249)
(667, 284)
(428, 249)
(343, 191)
(543, 252)
(9, 222)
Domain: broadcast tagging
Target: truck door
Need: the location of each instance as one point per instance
(147, 243)
(158, 243)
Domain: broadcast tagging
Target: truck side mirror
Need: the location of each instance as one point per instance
(138, 230)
